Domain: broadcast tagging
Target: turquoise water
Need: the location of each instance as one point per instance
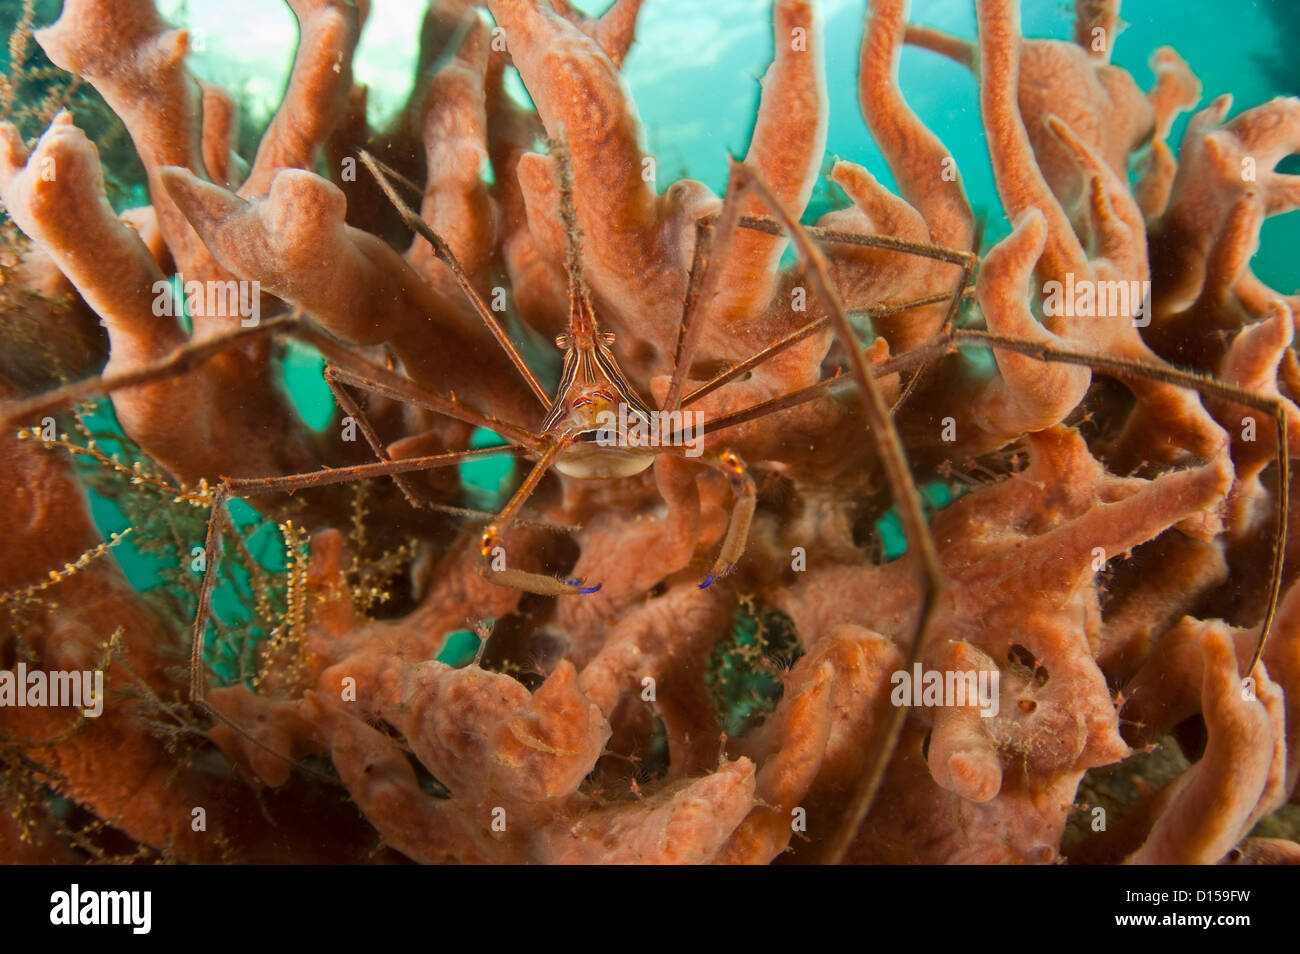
(694, 71)
(685, 48)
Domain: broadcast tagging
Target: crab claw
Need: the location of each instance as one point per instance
(578, 582)
(716, 575)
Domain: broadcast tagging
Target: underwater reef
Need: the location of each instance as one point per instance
(1011, 617)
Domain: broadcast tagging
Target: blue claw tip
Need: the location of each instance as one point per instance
(578, 581)
(714, 577)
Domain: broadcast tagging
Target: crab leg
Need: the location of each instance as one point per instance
(904, 490)
(448, 258)
(491, 551)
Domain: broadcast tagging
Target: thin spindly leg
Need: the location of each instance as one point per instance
(796, 336)
(940, 253)
(496, 569)
(702, 289)
(228, 487)
(354, 370)
(178, 361)
(693, 315)
(729, 464)
(350, 408)
(415, 496)
(348, 367)
(841, 384)
(967, 261)
(218, 519)
(689, 332)
(889, 721)
(900, 481)
(448, 258)
(1117, 367)
(291, 483)
(1128, 368)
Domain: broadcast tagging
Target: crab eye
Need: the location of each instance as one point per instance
(563, 342)
(607, 338)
